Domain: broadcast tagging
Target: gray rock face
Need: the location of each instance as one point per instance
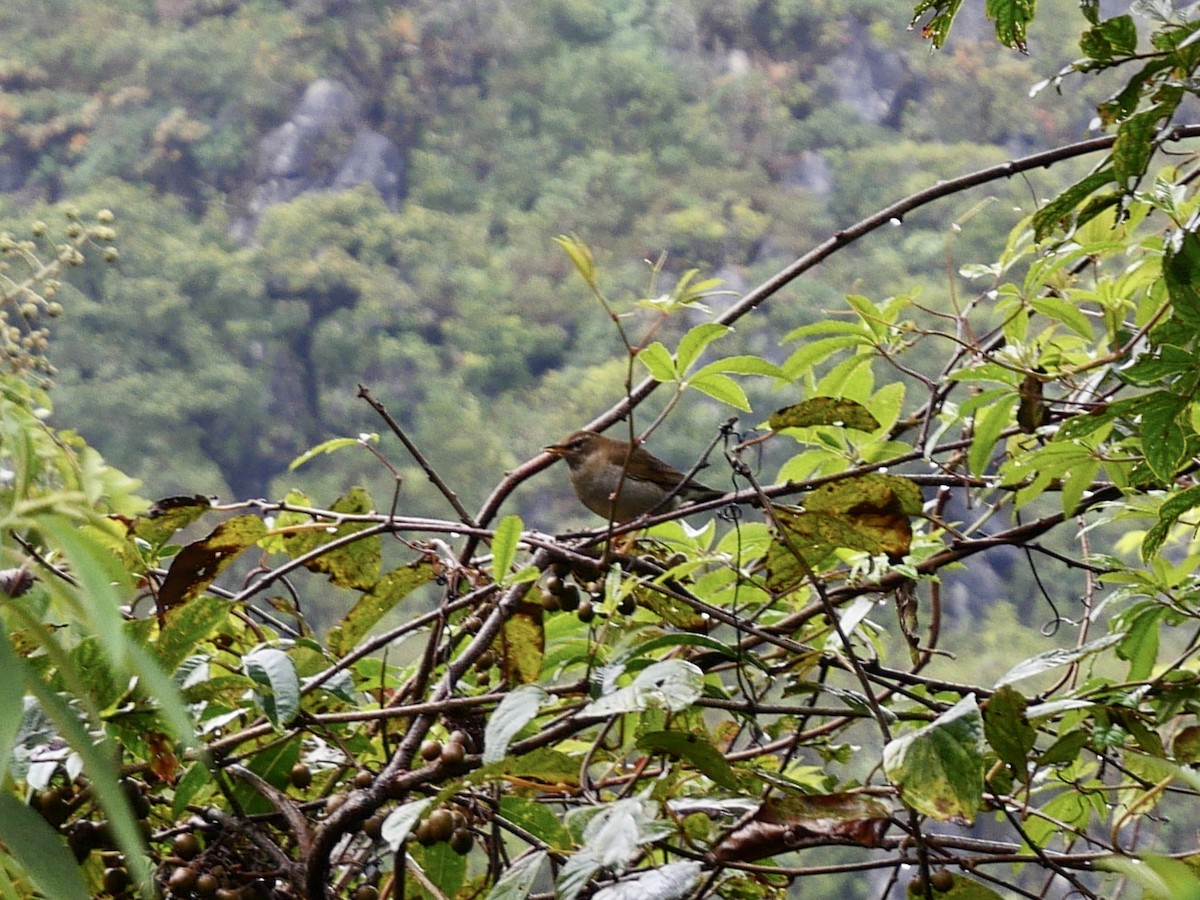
(325, 145)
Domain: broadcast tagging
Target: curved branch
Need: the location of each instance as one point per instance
(838, 241)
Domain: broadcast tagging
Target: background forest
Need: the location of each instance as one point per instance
(725, 135)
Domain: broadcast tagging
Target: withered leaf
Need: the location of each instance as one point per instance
(785, 823)
(197, 564)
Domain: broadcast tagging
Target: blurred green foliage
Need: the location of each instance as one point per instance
(723, 133)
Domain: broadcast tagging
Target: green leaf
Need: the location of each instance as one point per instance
(1168, 514)
(700, 753)
(673, 684)
(1007, 729)
(279, 684)
(1065, 750)
(377, 602)
(1160, 877)
(692, 344)
(824, 411)
(331, 446)
(40, 850)
(687, 639)
(1055, 213)
(1012, 18)
(939, 768)
(1052, 659)
(722, 388)
(504, 546)
(1181, 272)
(1109, 39)
(537, 819)
(580, 256)
(12, 704)
(742, 365)
(1062, 311)
(1135, 144)
(1165, 428)
(989, 425)
(519, 878)
(168, 516)
(186, 626)
(657, 360)
(613, 834)
(101, 584)
(812, 352)
(518, 708)
(524, 644)
(937, 29)
(354, 564)
(1139, 647)
(443, 866)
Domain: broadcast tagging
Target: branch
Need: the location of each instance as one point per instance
(838, 241)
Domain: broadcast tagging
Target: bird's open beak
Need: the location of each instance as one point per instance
(555, 450)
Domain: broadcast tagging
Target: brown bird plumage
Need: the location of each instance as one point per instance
(597, 462)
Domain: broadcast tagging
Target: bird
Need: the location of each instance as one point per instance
(596, 464)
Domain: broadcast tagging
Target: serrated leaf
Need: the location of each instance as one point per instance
(445, 868)
(186, 626)
(1109, 39)
(692, 344)
(722, 388)
(1063, 311)
(352, 565)
(504, 546)
(1165, 428)
(555, 768)
(1135, 144)
(658, 362)
(939, 768)
(937, 29)
(166, 517)
(1181, 272)
(518, 708)
(279, 684)
(742, 365)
